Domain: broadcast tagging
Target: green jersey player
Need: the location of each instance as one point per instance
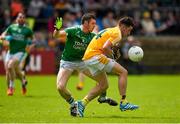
(77, 39)
(19, 38)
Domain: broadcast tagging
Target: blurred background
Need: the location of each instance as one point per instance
(157, 30)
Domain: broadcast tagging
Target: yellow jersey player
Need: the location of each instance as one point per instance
(98, 59)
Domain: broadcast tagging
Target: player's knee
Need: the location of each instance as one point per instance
(10, 66)
(123, 72)
(104, 87)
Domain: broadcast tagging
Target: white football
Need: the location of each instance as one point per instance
(135, 53)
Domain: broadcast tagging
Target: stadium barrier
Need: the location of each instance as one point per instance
(161, 55)
(42, 62)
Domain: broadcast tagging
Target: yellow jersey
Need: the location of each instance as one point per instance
(95, 46)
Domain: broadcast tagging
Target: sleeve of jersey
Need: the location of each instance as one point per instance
(114, 38)
(69, 31)
(30, 33)
(8, 29)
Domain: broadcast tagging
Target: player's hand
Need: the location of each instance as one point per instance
(116, 52)
(117, 55)
(1, 39)
(58, 23)
(9, 38)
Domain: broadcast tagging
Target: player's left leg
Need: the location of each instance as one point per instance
(21, 76)
(103, 96)
(122, 85)
(21, 57)
(23, 63)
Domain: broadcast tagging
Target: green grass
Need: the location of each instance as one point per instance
(157, 96)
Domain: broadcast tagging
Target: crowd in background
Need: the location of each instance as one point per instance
(152, 18)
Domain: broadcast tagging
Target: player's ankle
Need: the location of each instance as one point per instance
(70, 100)
(123, 101)
(85, 101)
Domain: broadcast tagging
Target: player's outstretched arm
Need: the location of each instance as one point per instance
(57, 33)
(3, 35)
(4, 40)
(58, 25)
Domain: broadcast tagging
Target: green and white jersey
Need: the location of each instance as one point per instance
(19, 34)
(76, 43)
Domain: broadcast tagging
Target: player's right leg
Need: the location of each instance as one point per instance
(10, 88)
(62, 79)
(65, 71)
(11, 76)
(10, 73)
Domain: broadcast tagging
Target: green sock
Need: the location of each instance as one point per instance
(103, 94)
(71, 100)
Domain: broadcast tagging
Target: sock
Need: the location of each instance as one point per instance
(24, 81)
(11, 84)
(71, 100)
(81, 83)
(123, 99)
(103, 94)
(85, 101)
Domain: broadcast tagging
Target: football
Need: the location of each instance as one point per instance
(135, 53)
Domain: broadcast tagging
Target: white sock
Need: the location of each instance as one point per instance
(11, 84)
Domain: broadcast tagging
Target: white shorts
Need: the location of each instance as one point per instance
(20, 56)
(95, 66)
(72, 66)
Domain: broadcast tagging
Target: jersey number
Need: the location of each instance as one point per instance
(100, 34)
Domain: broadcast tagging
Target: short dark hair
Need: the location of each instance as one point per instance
(87, 17)
(128, 21)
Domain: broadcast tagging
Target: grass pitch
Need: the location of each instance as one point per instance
(157, 96)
